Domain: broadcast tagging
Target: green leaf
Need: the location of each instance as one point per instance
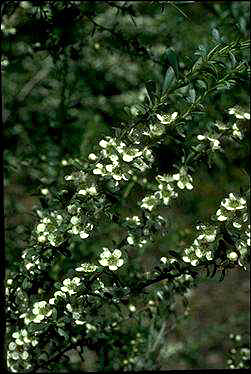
(63, 333)
(216, 35)
(26, 284)
(191, 96)
(202, 84)
(151, 90)
(169, 79)
(232, 58)
(172, 58)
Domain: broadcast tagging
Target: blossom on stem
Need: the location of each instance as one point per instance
(112, 260)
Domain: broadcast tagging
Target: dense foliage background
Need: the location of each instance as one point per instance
(74, 72)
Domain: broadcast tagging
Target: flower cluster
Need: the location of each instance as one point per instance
(233, 212)
(232, 130)
(85, 184)
(48, 229)
(78, 225)
(86, 268)
(158, 129)
(30, 263)
(40, 311)
(203, 246)
(166, 190)
(161, 196)
(239, 355)
(214, 143)
(112, 260)
(167, 118)
(242, 246)
(184, 180)
(7, 30)
(75, 314)
(18, 351)
(119, 160)
(133, 351)
(139, 234)
(199, 250)
(238, 113)
(228, 208)
(70, 286)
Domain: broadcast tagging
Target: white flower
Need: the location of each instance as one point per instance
(233, 203)
(90, 327)
(98, 169)
(209, 255)
(75, 220)
(237, 133)
(59, 218)
(127, 158)
(221, 126)
(232, 256)
(132, 308)
(78, 322)
(41, 238)
(113, 158)
(12, 346)
(176, 177)
(68, 177)
(133, 220)
(38, 318)
(86, 267)
(166, 119)
(64, 162)
(194, 262)
(44, 191)
(130, 153)
(59, 293)
(82, 192)
(109, 167)
(117, 177)
(164, 260)
(83, 235)
(149, 202)
(201, 137)
(237, 225)
(112, 260)
(130, 240)
(189, 186)
(198, 252)
(120, 147)
(215, 144)
(231, 110)
(247, 115)
(221, 216)
(181, 185)
(41, 227)
(29, 265)
(92, 157)
(74, 230)
(103, 143)
(239, 116)
(15, 355)
(25, 355)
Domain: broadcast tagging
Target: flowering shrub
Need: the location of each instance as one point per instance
(104, 301)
